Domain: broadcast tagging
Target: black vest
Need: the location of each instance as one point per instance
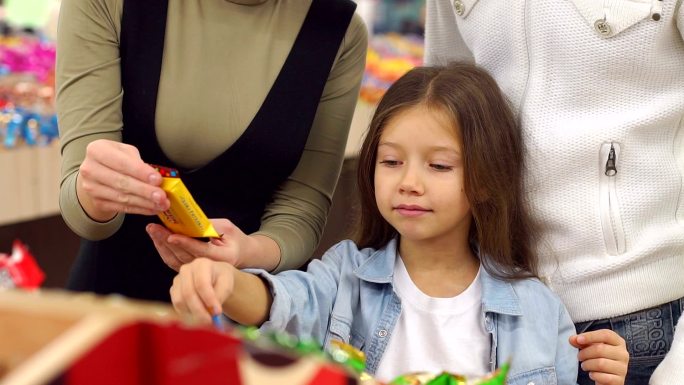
(236, 185)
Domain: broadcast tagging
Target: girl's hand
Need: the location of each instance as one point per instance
(201, 287)
(113, 179)
(176, 249)
(603, 353)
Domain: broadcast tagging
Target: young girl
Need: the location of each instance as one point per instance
(442, 274)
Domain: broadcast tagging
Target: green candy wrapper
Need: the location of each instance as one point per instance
(496, 378)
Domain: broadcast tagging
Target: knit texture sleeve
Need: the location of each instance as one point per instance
(443, 41)
(296, 217)
(88, 97)
(680, 17)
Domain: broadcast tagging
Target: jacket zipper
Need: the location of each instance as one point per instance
(611, 221)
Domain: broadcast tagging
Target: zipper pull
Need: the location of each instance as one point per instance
(610, 163)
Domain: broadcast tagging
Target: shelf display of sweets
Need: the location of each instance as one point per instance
(27, 113)
(389, 57)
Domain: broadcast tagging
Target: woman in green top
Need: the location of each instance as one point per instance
(251, 99)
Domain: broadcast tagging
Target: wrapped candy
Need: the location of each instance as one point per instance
(350, 358)
(20, 269)
(496, 378)
(354, 361)
(184, 216)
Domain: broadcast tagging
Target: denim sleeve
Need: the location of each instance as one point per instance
(566, 354)
(302, 301)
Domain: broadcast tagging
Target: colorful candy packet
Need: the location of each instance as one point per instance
(20, 269)
(184, 216)
(497, 377)
(354, 360)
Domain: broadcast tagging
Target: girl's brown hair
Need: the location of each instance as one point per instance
(501, 229)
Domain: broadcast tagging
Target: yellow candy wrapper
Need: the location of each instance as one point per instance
(184, 216)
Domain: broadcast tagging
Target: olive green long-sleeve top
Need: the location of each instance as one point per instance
(220, 60)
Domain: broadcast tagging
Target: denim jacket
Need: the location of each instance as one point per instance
(348, 296)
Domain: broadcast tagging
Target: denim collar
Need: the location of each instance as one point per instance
(498, 296)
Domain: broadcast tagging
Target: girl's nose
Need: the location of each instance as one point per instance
(411, 182)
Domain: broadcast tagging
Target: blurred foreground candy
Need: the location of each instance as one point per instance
(20, 269)
(341, 353)
(348, 355)
(498, 377)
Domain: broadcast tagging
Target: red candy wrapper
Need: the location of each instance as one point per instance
(20, 269)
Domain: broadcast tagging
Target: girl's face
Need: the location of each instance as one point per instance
(419, 178)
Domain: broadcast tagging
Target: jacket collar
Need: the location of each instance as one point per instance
(498, 296)
(379, 267)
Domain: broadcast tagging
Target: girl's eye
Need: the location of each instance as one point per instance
(441, 167)
(390, 163)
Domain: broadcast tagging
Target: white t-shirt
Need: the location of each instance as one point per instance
(436, 334)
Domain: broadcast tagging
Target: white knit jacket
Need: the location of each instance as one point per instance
(591, 80)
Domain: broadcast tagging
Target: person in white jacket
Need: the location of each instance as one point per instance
(598, 86)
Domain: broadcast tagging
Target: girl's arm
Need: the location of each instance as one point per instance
(294, 301)
(204, 287)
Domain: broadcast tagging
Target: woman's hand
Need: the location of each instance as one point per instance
(602, 353)
(234, 247)
(113, 179)
(201, 287)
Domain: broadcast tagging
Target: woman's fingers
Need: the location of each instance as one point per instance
(603, 343)
(606, 336)
(220, 250)
(173, 255)
(106, 184)
(605, 366)
(191, 246)
(223, 225)
(604, 355)
(123, 159)
(159, 234)
(603, 350)
(115, 179)
(107, 198)
(606, 378)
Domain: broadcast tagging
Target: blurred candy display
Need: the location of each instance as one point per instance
(20, 269)
(27, 92)
(389, 57)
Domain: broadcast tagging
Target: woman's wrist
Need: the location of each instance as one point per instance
(89, 208)
(261, 252)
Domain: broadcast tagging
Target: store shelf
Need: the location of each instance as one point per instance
(29, 183)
